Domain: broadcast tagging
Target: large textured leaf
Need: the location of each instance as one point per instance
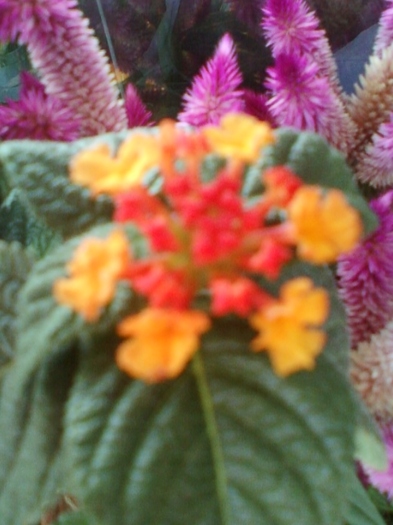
(18, 222)
(31, 411)
(316, 162)
(228, 442)
(40, 169)
(15, 265)
(35, 388)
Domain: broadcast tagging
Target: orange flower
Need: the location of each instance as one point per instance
(239, 136)
(161, 342)
(102, 173)
(94, 271)
(325, 224)
(289, 328)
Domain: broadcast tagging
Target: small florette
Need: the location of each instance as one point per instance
(159, 343)
(326, 226)
(94, 272)
(102, 173)
(239, 136)
(290, 327)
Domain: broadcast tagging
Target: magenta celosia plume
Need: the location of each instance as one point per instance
(137, 113)
(256, 104)
(385, 30)
(366, 277)
(301, 97)
(37, 115)
(215, 91)
(67, 56)
(375, 166)
(291, 28)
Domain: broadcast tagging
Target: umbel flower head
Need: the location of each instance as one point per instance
(207, 240)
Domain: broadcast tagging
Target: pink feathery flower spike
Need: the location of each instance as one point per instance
(291, 28)
(256, 104)
(372, 373)
(375, 165)
(37, 115)
(302, 98)
(384, 37)
(366, 277)
(215, 91)
(137, 114)
(67, 56)
(383, 480)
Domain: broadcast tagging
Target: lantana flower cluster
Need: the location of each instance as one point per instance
(210, 247)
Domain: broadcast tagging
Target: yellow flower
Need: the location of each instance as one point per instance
(289, 328)
(325, 224)
(94, 272)
(239, 136)
(161, 342)
(102, 173)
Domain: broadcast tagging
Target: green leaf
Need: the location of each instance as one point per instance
(31, 414)
(369, 445)
(316, 162)
(227, 442)
(40, 169)
(76, 518)
(15, 265)
(13, 218)
(19, 223)
(361, 510)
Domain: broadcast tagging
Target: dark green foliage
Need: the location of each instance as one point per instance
(13, 60)
(15, 265)
(227, 442)
(40, 170)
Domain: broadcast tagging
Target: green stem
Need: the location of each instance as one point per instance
(214, 438)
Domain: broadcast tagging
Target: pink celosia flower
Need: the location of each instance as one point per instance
(37, 115)
(375, 166)
(366, 277)
(24, 18)
(292, 29)
(383, 480)
(372, 373)
(385, 29)
(67, 55)
(215, 90)
(302, 98)
(137, 114)
(256, 104)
